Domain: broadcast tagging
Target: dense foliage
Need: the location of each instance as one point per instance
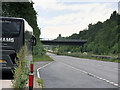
(102, 37)
(24, 10)
(21, 73)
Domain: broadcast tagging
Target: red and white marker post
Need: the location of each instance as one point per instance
(31, 78)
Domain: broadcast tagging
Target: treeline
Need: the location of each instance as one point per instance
(24, 10)
(102, 37)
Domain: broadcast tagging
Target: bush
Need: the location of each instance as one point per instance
(21, 72)
(38, 50)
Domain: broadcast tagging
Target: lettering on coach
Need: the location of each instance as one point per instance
(6, 39)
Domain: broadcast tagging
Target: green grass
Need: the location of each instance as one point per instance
(89, 57)
(94, 58)
(40, 81)
(42, 58)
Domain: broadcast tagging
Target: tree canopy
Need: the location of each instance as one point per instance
(102, 37)
(24, 10)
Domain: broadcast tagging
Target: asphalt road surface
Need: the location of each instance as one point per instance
(71, 72)
(5, 80)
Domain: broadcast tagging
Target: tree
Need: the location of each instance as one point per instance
(24, 10)
(102, 37)
(59, 37)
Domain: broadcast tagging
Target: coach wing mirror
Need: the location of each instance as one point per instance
(33, 41)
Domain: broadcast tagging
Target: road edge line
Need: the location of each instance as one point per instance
(38, 74)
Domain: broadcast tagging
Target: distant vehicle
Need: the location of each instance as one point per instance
(68, 52)
(15, 32)
(85, 53)
(50, 50)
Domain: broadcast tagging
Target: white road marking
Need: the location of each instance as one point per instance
(38, 74)
(93, 75)
(5, 84)
(90, 74)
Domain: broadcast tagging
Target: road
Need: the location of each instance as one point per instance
(5, 80)
(71, 72)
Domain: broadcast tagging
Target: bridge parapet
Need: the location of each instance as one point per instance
(69, 40)
(46, 39)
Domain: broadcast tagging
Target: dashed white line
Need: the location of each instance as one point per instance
(93, 75)
(90, 74)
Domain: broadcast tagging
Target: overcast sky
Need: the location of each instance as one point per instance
(66, 17)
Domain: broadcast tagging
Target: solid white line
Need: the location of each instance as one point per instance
(38, 74)
(93, 75)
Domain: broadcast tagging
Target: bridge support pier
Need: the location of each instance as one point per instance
(82, 48)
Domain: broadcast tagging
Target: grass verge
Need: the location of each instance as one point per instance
(40, 82)
(113, 59)
(42, 58)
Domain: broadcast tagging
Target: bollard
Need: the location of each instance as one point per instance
(31, 68)
(31, 76)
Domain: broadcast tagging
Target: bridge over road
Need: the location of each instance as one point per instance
(64, 42)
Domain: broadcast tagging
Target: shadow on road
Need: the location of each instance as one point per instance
(6, 76)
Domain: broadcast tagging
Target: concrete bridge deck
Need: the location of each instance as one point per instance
(64, 42)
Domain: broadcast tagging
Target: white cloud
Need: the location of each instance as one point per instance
(89, 15)
(52, 4)
(53, 31)
(67, 24)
